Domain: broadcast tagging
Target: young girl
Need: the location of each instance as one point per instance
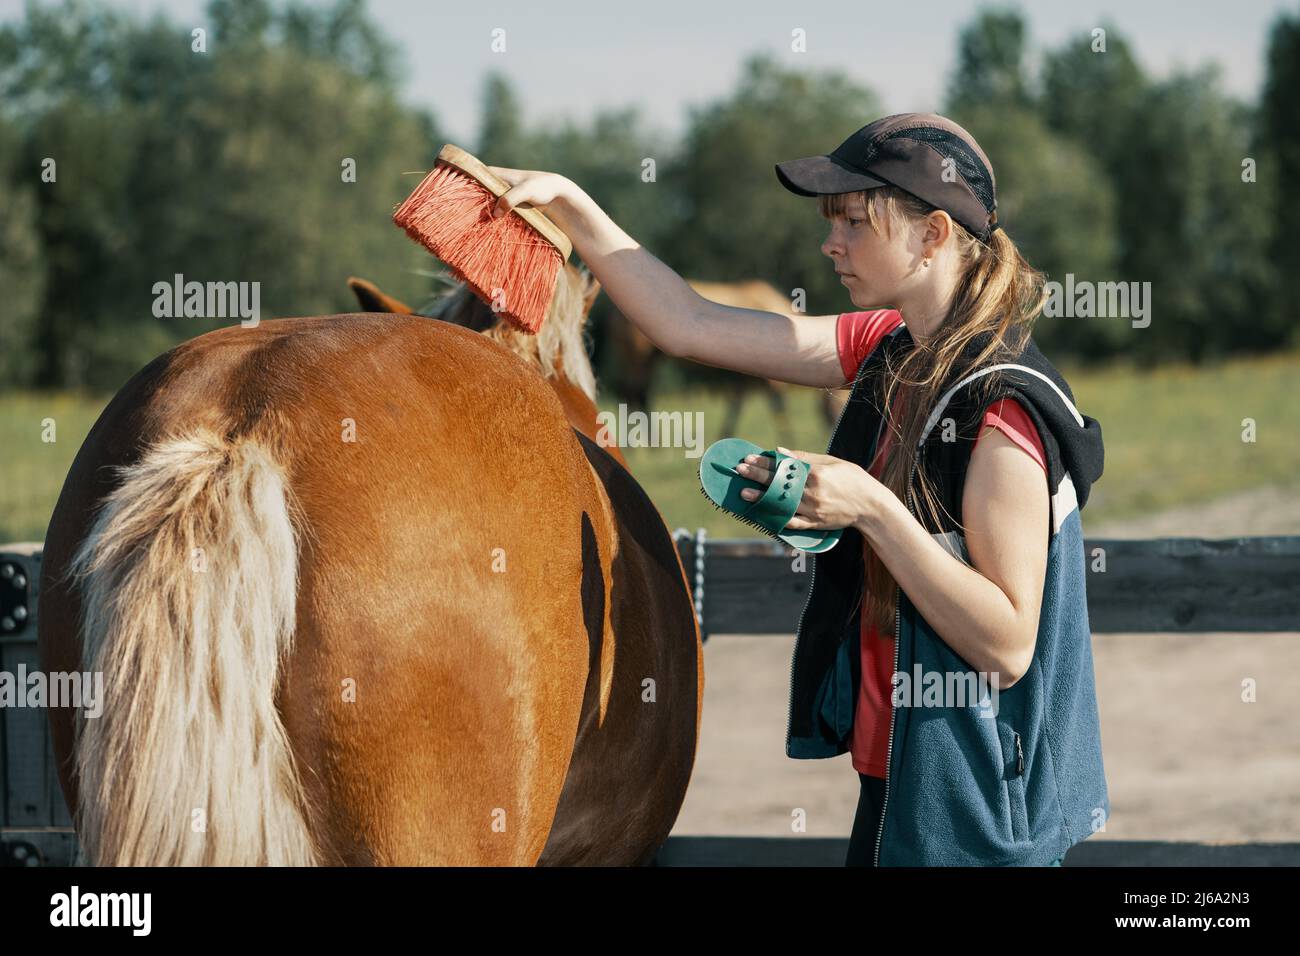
(957, 472)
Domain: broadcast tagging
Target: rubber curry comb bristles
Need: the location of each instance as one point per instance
(512, 263)
(739, 517)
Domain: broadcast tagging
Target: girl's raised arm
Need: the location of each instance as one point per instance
(785, 346)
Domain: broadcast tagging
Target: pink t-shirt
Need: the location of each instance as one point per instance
(857, 335)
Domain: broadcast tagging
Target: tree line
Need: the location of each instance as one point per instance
(273, 145)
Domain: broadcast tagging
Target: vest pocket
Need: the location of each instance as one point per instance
(1013, 774)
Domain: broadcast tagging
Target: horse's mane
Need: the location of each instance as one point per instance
(559, 349)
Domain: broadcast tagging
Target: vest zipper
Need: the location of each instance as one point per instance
(898, 617)
(798, 630)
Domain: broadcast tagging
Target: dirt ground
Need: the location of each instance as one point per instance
(1186, 759)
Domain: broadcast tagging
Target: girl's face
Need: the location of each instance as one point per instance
(879, 268)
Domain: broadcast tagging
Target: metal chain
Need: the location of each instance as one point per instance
(698, 589)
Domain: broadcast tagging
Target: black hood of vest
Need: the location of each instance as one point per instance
(1053, 409)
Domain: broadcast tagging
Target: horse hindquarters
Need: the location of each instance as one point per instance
(641, 710)
(431, 698)
(188, 580)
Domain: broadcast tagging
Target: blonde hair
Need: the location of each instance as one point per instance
(998, 296)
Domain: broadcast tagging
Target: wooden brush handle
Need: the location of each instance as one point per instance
(471, 166)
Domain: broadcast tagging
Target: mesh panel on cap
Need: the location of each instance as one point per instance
(950, 147)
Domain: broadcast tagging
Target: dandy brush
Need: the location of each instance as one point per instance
(512, 263)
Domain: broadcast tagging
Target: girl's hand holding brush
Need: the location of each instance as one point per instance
(530, 187)
(838, 493)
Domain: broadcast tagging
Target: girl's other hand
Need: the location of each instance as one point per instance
(838, 493)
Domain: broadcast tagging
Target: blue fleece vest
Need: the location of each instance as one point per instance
(1015, 785)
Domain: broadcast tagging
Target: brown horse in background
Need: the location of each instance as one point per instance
(636, 358)
(361, 593)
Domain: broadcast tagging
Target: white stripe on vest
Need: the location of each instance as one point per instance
(1065, 500)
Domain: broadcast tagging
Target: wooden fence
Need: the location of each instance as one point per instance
(1189, 585)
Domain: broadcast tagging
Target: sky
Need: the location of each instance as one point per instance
(568, 58)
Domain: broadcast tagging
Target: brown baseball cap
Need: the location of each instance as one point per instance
(925, 154)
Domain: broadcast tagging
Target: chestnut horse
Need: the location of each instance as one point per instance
(362, 594)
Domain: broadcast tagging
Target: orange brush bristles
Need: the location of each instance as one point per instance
(507, 262)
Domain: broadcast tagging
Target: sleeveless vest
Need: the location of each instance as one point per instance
(1015, 784)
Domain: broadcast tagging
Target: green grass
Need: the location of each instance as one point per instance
(1173, 437)
(32, 469)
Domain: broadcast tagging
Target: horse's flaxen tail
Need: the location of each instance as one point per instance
(188, 583)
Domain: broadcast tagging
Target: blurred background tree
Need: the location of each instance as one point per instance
(735, 221)
(1054, 199)
(1277, 147)
(220, 166)
(230, 165)
(1109, 176)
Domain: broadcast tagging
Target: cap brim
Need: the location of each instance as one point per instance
(820, 175)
